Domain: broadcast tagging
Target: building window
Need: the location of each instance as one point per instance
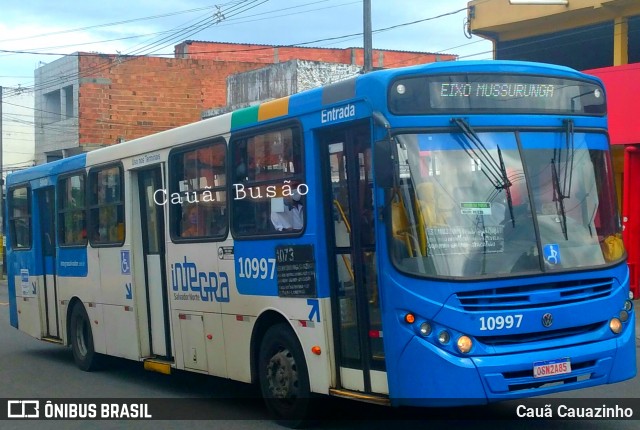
(106, 207)
(20, 218)
(68, 101)
(198, 198)
(52, 108)
(268, 188)
(72, 211)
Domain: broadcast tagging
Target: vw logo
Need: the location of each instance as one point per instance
(547, 320)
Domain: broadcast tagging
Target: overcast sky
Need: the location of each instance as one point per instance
(35, 32)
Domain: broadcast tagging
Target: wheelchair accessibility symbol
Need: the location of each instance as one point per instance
(125, 262)
(552, 253)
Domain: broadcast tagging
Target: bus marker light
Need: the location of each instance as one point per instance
(316, 350)
(425, 329)
(615, 325)
(409, 318)
(209, 337)
(443, 337)
(182, 316)
(375, 334)
(464, 344)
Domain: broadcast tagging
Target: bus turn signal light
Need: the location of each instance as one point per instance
(464, 344)
(316, 350)
(615, 325)
(409, 318)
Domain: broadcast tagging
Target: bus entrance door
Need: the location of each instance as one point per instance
(49, 294)
(351, 243)
(153, 248)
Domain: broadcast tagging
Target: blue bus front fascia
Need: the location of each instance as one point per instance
(422, 373)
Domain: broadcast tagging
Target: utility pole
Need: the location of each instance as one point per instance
(368, 43)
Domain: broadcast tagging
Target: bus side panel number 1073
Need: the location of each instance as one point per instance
(500, 322)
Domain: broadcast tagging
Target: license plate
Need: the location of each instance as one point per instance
(558, 366)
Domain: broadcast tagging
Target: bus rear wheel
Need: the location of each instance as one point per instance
(284, 378)
(81, 335)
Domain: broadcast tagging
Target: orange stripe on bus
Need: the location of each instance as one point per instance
(273, 109)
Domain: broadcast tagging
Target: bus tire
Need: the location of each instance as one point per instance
(81, 336)
(284, 377)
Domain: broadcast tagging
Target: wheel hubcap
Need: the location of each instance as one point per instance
(282, 375)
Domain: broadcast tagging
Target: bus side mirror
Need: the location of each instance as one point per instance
(383, 162)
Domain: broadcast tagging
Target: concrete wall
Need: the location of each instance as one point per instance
(281, 80)
(17, 128)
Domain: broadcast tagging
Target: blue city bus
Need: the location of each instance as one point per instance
(443, 234)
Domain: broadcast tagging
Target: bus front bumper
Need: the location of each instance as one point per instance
(444, 379)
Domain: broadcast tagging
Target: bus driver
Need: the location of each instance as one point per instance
(291, 217)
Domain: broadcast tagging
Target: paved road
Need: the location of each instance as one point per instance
(34, 369)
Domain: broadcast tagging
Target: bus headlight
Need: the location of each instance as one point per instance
(443, 337)
(425, 329)
(464, 344)
(624, 316)
(615, 325)
(628, 305)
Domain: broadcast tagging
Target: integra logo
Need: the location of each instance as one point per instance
(338, 113)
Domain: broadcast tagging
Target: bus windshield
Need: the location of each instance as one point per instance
(497, 203)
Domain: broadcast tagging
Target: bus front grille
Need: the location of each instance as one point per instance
(535, 296)
(514, 339)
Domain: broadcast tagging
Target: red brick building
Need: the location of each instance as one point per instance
(267, 54)
(87, 100)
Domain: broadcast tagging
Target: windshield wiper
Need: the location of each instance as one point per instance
(495, 172)
(560, 193)
(558, 197)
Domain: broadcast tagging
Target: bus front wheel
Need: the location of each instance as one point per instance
(284, 378)
(81, 335)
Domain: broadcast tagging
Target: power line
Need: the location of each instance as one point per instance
(235, 21)
(234, 10)
(206, 22)
(128, 21)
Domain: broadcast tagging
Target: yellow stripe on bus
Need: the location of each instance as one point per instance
(273, 109)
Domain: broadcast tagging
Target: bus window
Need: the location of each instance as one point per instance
(20, 218)
(199, 177)
(106, 206)
(268, 186)
(71, 211)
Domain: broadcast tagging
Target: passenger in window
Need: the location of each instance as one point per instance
(190, 228)
(291, 217)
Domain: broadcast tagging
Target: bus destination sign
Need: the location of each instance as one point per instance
(495, 93)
